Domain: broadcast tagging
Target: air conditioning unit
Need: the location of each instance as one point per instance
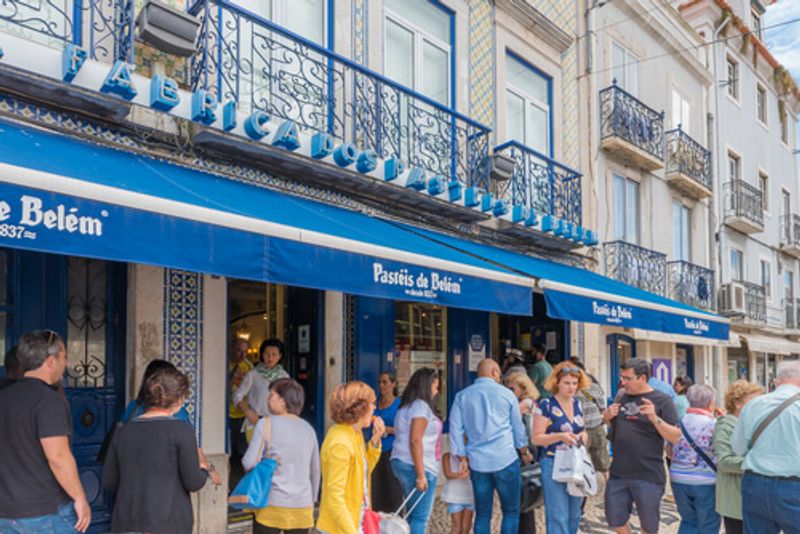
(732, 299)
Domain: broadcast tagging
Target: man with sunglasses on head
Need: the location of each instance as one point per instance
(641, 420)
(40, 490)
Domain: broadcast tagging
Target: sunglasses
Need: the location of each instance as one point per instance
(570, 371)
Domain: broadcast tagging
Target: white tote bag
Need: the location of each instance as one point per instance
(588, 483)
(396, 523)
(567, 466)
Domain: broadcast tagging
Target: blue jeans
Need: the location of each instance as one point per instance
(407, 476)
(697, 506)
(562, 510)
(507, 483)
(770, 505)
(61, 522)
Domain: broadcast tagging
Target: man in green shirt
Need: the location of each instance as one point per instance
(541, 369)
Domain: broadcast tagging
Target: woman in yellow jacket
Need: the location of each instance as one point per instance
(347, 460)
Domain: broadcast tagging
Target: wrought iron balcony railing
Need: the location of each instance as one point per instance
(688, 157)
(691, 284)
(104, 28)
(623, 115)
(791, 307)
(541, 184)
(790, 230)
(755, 301)
(744, 203)
(244, 57)
(636, 266)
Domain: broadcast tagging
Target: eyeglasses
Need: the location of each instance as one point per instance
(570, 371)
(51, 336)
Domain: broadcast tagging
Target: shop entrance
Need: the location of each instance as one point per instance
(684, 361)
(524, 333)
(84, 301)
(259, 311)
(621, 348)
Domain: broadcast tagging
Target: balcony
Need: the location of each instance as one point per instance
(744, 207)
(791, 309)
(691, 284)
(755, 302)
(631, 130)
(260, 65)
(636, 266)
(541, 185)
(790, 234)
(688, 165)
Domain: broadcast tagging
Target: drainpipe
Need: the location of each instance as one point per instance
(719, 367)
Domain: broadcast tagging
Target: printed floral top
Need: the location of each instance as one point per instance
(687, 466)
(559, 422)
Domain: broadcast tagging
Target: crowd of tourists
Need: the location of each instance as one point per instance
(508, 432)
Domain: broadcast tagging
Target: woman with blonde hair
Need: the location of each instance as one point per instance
(729, 465)
(347, 460)
(559, 423)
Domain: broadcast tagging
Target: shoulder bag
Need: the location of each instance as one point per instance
(709, 462)
(772, 416)
(252, 492)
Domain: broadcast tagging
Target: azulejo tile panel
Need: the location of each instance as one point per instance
(481, 60)
(183, 333)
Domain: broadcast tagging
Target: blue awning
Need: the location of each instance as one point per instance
(576, 294)
(62, 195)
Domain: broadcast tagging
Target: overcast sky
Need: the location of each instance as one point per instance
(784, 41)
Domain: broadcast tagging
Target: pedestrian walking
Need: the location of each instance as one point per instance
(347, 460)
(593, 404)
(40, 490)
(693, 471)
(237, 369)
(681, 385)
(457, 494)
(559, 423)
(729, 464)
(767, 436)
(523, 388)
(253, 393)
(153, 463)
(641, 419)
(541, 369)
(488, 415)
(387, 495)
(417, 447)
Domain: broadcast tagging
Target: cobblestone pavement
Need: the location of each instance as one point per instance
(593, 519)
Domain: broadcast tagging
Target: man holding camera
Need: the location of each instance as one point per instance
(641, 419)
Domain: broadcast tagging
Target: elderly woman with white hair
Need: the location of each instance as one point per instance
(693, 471)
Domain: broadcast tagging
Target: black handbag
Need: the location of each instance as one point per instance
(532, 493)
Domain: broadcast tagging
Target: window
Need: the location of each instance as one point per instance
(681, 222)
(417, 47)
(761, 103)
(303, 17)
(784, 118)
(758, 27)
(737, 265)
(786, 203)
(527, 105)
(734, 167)
(626, 209)
(766, 279)
(625, 68)
(732, 82)
(681, 112)
(788, 285)
(763, 185)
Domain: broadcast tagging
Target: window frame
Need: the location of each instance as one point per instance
(685, 127)
(742, 274)
(765, 281)
(762, 107)
(626, 182)
(527, 99)
(758, 24)
(733, 156)
(732, 90)
(763, 178)
(629, 60)
(683, 232)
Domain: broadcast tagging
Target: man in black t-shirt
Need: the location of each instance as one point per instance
(641, 419)
(40, 490)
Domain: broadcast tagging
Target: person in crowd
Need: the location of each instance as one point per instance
(293, 443)
(729, 464)
(417, 448)
(593, 404)
(387, 495)
(693, 468)
(520, 383)
(252, 394)
(457, 495)
(237, 369)
(488, 415)
(659, 385)
(12, 367)
(560, 423)
(153, 465)
(347, 460)
(681, 385)
(541, 369)
(513, 359)
(641, 419)
(771, 482)
(136, 407)
(40, 490)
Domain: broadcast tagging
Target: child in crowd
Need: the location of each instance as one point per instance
(457, 494)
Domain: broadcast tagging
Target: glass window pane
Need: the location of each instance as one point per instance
(632, 212)
(524, 79)
(423, 14)
(399, 64)
(515, 117)
(537, 131)
(677, 245)
(86, 323)
(632, 78)
(435, 70)
(305, 17)
(617, 64)
(619, 207)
